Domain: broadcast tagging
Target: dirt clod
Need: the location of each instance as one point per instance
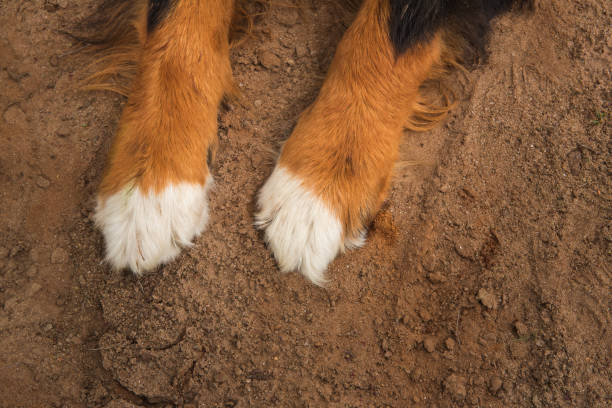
(436, 277)
(430, 344)
(521, 329)
(495, 384)
(450, 344)
(455, 385)
(425, 315)
(487, 298)
(43, 182)
(268, 59)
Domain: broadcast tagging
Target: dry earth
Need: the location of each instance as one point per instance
(485, 282)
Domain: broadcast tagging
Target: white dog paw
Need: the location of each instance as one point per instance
(300, 229)
(143, 230)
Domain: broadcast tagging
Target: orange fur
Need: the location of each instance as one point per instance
(345, 145)
(170, 120)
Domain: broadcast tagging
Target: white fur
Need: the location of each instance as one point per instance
(144, 230)
(300, 229)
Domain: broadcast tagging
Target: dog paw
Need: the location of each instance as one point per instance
(301, 229)
(144, 229)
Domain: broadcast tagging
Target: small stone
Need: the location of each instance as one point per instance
(59, 256)
(450, 344)
(63, 131)
(520, 328)
(48, 327)
(258, 103)
(455, 385)
(466, 247)
(42, 182)
(425, 315)
(268, 59)
(487, 298)
(495, 384)
(436, 277)
(445, 188)
(75, 340)
(430, 344)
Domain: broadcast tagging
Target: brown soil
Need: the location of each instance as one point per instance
(485, 281)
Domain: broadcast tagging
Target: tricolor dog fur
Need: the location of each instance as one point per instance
(332, 174)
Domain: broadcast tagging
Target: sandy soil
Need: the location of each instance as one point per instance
(485, 281)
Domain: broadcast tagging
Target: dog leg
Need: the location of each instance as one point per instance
(152, 199)
(333, 172)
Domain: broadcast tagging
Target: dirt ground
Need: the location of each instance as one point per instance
(485, 282)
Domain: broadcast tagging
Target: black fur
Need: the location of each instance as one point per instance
(416, 21)
(157, 11)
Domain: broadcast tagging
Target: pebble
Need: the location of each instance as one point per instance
(495, 384)
(488, 299)
(268, 59)
(63, 131)
(450, 344)
(42, 182)
(455, 385)
(521, 329)
(466, 247)
(436, 277)
(425, 315)
(258, 103)
(430, 344)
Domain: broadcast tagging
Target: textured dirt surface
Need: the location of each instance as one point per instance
(485, 281)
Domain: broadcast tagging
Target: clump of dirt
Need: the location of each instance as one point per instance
(485, 281)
